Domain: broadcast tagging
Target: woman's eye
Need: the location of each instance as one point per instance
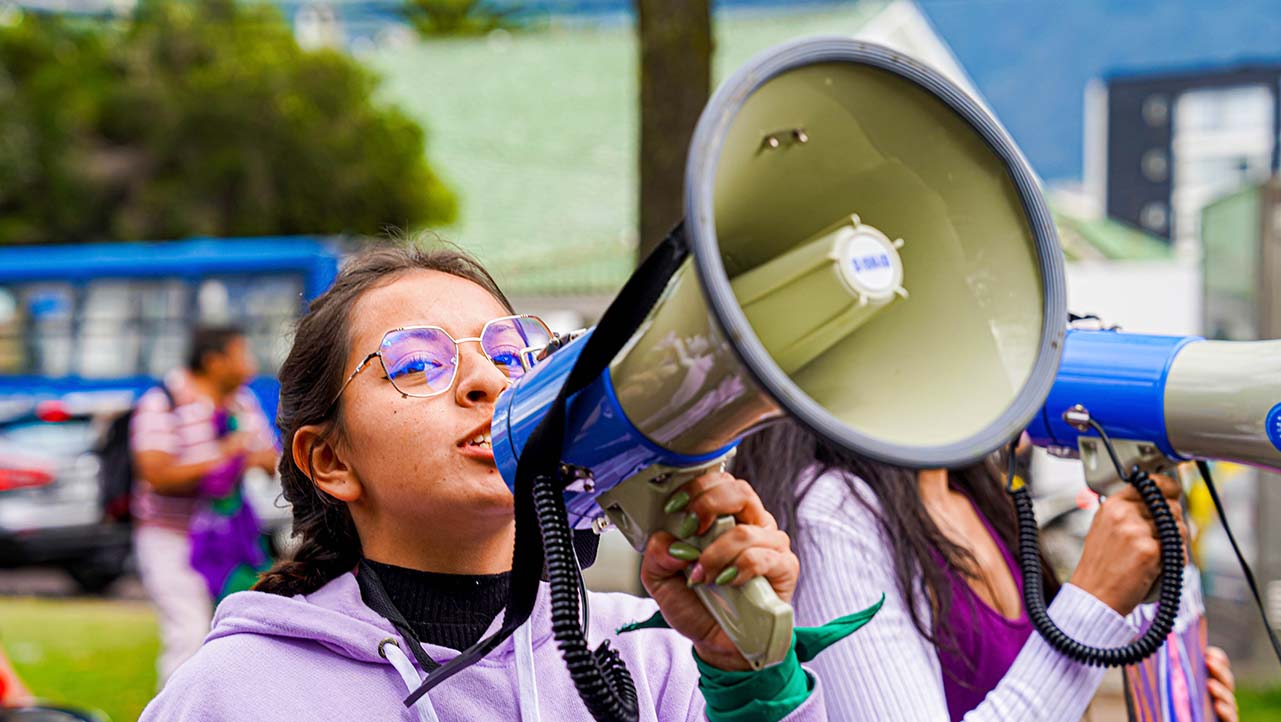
(416, 366)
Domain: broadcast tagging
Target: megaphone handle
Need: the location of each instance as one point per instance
(752, 615)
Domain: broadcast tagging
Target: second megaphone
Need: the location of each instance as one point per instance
(1129, 405)
(864, 249)
(1162, 400)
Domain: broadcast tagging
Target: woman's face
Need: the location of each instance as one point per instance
(414, 457)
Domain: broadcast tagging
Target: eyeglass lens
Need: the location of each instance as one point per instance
(423, 361)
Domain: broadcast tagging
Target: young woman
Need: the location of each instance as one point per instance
(385, 406)
(941, 545)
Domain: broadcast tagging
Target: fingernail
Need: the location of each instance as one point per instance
(684, 552)
(677, 502)
(688, 526)
(696, 576)
(727, 576)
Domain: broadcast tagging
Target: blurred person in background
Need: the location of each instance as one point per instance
(953, 640)
(192, 439)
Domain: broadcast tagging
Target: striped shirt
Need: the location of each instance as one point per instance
(187, 432)
(887, 671)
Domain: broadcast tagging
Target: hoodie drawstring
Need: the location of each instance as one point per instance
(526, 682)
(391, 651)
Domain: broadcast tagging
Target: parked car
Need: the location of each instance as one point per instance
(49, 513)
(50, 508)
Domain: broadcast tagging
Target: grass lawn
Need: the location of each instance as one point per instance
(1258, 705)
(90, 653)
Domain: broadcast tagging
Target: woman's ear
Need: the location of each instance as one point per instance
(320, 459)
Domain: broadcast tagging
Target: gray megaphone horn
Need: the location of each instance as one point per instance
(867, 251)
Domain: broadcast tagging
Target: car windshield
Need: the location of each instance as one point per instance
(66, 439)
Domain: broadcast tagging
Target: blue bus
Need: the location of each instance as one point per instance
(98, 319)
(83, 331)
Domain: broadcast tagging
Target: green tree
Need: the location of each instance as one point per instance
(458, 17)
(198, 118)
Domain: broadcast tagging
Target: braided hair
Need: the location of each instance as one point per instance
(328, 545)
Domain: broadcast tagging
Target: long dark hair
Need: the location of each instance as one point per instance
(309, 381)
(782, 461)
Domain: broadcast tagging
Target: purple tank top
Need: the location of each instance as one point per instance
(982, 644)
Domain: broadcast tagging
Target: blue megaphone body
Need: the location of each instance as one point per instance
(599, 437)
(1163, 400)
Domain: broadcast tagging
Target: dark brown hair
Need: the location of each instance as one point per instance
(775, 460)
(210, 339)
(310, 378)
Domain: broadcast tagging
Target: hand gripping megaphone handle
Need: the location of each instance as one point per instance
(752, 615)
(1169, 583)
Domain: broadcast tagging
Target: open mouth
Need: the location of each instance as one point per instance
(483, 441)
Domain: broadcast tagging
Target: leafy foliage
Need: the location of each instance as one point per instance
(202, 117)
(458, 17)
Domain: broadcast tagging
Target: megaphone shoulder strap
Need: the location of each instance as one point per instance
(541, 457)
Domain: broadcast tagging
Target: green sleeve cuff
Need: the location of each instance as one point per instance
(767, 695)
(770, 694)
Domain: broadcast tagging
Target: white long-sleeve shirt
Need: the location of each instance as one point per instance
(887, 671)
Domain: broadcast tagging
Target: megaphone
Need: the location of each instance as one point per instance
(867, 251)
(1130, 404)
(1162, 400)
(864, 249)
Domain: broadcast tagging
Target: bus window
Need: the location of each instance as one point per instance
(109, 338)
(131, 327)
(12, 358)
(265, 306)
(164, 311)
(46, 311)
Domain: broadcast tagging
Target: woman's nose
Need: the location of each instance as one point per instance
(479, 380)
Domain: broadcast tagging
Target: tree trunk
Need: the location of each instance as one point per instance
(675, 81)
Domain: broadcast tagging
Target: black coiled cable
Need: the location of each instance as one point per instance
(600, 676)
(1170, 582)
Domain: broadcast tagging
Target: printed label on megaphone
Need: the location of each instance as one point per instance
(801, 297)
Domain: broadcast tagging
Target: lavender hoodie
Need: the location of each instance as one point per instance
(316, 657)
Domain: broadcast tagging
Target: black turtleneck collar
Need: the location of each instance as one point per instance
(447, 610)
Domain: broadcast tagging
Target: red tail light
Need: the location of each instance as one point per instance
(52, 412)
(11, 479)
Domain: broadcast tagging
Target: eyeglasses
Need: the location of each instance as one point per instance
(422, 361)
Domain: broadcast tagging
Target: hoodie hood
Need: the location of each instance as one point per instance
(335, 616)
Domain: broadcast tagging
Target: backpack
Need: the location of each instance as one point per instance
(115, 470)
